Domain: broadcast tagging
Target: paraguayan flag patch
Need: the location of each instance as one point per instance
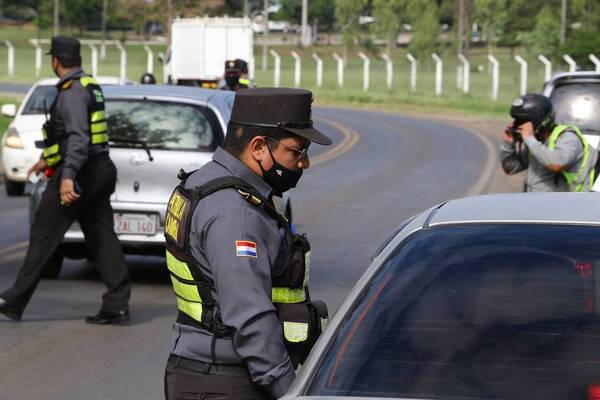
(245, 249)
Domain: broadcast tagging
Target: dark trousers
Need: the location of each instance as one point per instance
(93, 211)
(185, 384)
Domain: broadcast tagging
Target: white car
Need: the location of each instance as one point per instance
(18, 145)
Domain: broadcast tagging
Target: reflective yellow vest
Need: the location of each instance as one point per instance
(575, 181)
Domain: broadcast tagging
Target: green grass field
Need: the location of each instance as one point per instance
(478, 100)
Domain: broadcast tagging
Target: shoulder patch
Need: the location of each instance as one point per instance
(67, 85)
(244, 248)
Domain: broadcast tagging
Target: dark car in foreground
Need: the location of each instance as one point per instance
(490, 297)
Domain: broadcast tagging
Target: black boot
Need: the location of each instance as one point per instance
(109, 317)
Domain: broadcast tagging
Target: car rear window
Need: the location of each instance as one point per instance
(40, 95)
(578, 104)
(475, 311)
(162, 125)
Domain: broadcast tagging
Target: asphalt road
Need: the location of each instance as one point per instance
(382, 169)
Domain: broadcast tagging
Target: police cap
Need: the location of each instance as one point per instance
(237, 66)
(63, 46)
(284, 108)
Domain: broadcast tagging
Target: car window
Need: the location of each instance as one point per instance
(474, 311)
(578, 104)
(40, 95)
(165, 125)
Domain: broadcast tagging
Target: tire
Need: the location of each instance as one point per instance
(53, 266)
(14, 188)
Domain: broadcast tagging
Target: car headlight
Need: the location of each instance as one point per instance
(12, 139)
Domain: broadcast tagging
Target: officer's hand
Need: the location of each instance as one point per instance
(67, 192)
(507, 137)
(37, 168)
(526, 130)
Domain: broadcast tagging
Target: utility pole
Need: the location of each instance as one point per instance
(104, 18)
(56, 16)
(265, 51)
(563, 21)
(169, 20)
(246, 9)
(305, 35)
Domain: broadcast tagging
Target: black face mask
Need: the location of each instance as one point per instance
(232, 80)
(280, 178)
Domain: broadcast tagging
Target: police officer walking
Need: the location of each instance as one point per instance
(238, 270)
(81, 179)
(557, 157)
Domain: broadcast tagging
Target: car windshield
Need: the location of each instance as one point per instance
(578, 104)
(40, 95)
(488, 311)
(162, 125)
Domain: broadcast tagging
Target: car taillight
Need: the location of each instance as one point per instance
(594, 391)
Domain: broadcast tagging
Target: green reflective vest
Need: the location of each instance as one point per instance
(53, 135)
(575, 181)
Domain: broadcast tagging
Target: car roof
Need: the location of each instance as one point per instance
(565, 77)
(552, 208)
(103, 80)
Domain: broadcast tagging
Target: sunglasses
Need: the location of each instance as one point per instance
(301, 154)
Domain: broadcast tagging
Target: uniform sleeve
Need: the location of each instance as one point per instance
(242, 278)
(567, 151)
(512, 162)
(73, 110)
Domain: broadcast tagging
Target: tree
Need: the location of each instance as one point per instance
(347, 16)
(491, 14)
(579, 45)
(424, 16)
(545, 37)
(588, 13)
(388, 19)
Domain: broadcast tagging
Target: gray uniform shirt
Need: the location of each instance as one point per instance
(536, 157)
(242, 283)
(72, 114)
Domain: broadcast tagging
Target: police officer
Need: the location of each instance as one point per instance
(557, 157)
(238, 270)
(81, 180)
(236, 75)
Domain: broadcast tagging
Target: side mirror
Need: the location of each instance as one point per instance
(8, 110)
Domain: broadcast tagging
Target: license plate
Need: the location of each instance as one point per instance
(135, 224)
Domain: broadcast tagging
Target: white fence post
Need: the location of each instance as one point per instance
(123, 69)
(439, 65)
(150, 61)
(38, 57)
(571, 62)
(523, 79)
(466, 73)
(11, 57)
(389, 68)
(413, 72)
(596, 62)
(94, 59)
(340, 69)
(495, 76)
(366, 68)
(547, 67)
(319, 69)
(297, 68)
(277, 68)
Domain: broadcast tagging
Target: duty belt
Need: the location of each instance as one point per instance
(205, 368)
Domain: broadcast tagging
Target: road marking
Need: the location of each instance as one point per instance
(350, 139)
(14, 247)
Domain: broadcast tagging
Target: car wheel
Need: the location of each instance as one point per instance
(14, 188)
(53, 266)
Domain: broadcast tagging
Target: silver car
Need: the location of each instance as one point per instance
(490, 297)
(154, 132)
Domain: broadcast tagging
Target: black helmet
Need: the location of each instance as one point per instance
(534, 108)
(148, 79)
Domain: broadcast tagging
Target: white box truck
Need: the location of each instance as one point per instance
(200, 47)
